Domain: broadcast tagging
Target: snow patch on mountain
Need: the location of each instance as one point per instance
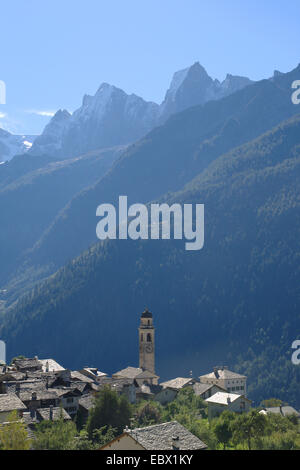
(11, 145)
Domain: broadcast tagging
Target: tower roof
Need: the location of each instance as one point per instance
(146, 314)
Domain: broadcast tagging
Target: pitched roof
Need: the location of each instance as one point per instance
(129, 372)
(27, 363)
(221, 398)
(93, 372)
(75, 375)
(223, 373)
(53, 366)
(42, 414)
(161, 437)
(200, 388)
(41, 394)
(283, 410)
(177, 383)
(146, 374)
(57, 411)
(10, 402)
(87, 402)
(116, 383)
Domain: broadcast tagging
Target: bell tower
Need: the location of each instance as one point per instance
(147, 342)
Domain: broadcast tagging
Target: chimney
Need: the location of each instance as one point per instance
(51, 412)
(216, 372)
(33, 396)
(175, 442)
(18, 389)
(126, 429)
(228, 400)
(47, 366)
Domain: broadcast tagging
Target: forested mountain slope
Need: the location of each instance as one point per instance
(236, 300)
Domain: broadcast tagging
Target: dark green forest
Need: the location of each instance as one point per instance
(236, 301)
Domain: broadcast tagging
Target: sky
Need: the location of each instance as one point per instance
(54, 52)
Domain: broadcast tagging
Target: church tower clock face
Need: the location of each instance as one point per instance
(149, 348)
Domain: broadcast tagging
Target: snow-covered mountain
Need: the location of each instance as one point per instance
(112, 117)
(109, 118)
(11, 145)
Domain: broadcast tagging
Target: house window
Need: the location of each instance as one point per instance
(149, 338)
(142, 338)
(71, 409)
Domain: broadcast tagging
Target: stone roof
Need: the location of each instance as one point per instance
(129, 372)
(87, 402)
(93, 372)
(42, 414)
(177, 383)
(12, 376)
(23, 364)
(163, 436)
(283, 410)
(75, 375)
(57, 411)
(80, 386)
(200, 388)
(53, 366)
(223, 373)
(221, 398)
(41, 394)
(10, 402)
(146, 374)
(116, 383)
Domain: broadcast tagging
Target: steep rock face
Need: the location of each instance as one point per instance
(109, 118)
(49, 142)
(167, 158)
(112, 117)
(193, 86)
(231, 84)
(189, 87)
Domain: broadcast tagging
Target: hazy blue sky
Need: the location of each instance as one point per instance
(53, 52)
